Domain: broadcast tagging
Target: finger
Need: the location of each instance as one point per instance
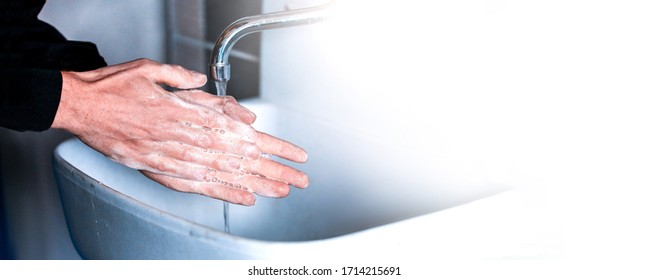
(275, 146)
(275, 171)
(229, 163)
(172, 75)
(203, 98)
(212, 159)
(223, 104)
(210, 189)
(205, 117)
(259, 185)
(211, 140)
(179, 77)
(162, 164)
(169, 166)
(206, 128)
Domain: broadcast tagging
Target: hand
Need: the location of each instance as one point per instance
(189, 141)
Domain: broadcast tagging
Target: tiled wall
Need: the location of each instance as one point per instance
(192, 29)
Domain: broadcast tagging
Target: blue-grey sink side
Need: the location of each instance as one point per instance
(116, 220)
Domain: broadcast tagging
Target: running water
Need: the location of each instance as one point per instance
(226, 227)
(221, 89)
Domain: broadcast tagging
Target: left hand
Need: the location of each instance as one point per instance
(241, 176)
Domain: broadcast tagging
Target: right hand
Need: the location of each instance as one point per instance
(189, 141)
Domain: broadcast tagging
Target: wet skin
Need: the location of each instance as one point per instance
(188, 140)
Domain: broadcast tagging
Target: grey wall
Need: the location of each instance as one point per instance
(194, 25)
(123, 30)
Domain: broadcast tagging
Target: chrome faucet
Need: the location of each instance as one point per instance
(219, 65)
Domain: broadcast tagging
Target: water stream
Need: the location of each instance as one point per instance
(221, 90)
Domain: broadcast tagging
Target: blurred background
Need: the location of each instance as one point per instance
(173, 31)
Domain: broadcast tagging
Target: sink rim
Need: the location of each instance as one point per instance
(361, 243)
(194, 228)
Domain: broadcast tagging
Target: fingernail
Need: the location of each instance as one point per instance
(303, 156)
(250, 200)
(302, 181)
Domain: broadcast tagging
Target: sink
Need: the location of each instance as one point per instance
(362, 201)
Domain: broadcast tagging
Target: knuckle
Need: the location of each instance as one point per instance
(187, 154)
(149, 66)
(250, 150)
(142, 62)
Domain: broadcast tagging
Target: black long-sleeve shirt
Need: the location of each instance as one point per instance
(32, 56)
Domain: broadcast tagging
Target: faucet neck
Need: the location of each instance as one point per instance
(219, 61)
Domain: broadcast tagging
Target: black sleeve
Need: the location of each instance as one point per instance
(32, 56)
(29, 98)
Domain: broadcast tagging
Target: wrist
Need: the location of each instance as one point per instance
(65, 118)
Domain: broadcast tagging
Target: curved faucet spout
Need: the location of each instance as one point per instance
(219, 65)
